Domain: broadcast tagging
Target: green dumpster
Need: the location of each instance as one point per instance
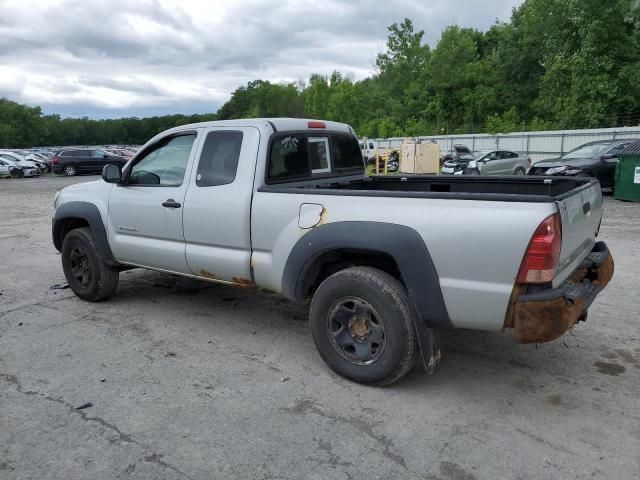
(628, 174)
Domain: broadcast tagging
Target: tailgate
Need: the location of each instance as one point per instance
(580, 213)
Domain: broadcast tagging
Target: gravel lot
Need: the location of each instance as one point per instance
(186, 381)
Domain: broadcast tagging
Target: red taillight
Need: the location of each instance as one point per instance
(316, 124)
(529, 160)
(55, 159)
(541, 258)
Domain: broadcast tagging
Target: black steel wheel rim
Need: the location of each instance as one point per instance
(356, 330)
(80, 268)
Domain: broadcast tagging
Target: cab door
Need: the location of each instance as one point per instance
(83, 159)
(217, 209)
(491, 166)
(605, 170)
(99, 159)
(146, 210)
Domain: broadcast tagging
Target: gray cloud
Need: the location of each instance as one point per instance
(124, 57)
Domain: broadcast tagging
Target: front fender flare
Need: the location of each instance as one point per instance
(84, 211)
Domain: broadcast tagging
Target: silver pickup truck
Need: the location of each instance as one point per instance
(285, 205)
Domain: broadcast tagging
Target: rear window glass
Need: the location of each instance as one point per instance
(302, 156)
(219, 158)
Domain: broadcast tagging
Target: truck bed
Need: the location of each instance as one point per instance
(507, 188)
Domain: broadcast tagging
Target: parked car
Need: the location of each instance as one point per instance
(488, 162)
(40, 158)
(593, 159)
(119, 153)
(23, 162)
(457, 152)
(18, 170)
(8, 169)
(76, 161)
(286, 205)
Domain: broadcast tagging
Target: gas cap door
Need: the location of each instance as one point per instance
(310, 215)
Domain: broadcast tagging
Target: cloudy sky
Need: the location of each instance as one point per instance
(112, 58)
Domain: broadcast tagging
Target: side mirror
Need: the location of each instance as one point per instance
(112, 173)
(105, 156)
(609, 157)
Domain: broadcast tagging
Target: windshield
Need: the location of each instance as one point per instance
(587, 151)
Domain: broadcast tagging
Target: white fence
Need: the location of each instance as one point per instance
(538, 145)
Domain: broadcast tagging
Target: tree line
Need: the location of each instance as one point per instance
(555, 64)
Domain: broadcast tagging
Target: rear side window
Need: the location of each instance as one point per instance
(346, 154)
(617, 150)
(219, 158)
(304, 156)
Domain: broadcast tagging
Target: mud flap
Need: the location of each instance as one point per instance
(430, 347)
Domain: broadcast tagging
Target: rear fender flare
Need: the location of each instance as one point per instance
(402, 243)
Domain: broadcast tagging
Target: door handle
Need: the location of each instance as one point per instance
(171, 203)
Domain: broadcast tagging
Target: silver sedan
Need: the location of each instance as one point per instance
(498, 162)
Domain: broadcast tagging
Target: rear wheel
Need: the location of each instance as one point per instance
(362, 324)
(86, 271)
(519, 171)
(70, 170)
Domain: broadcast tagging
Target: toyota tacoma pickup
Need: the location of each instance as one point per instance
(387, 262)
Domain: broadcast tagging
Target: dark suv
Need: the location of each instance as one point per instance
(75, 161)
(594, 159)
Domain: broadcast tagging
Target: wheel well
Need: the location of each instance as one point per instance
(68, 224)
(332, 261)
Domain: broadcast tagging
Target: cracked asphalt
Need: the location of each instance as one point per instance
(185, 381)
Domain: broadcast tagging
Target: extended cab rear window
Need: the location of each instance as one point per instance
(301, 156)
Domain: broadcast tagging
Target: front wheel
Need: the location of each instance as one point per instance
(70, 170)
(363, 326)
(86, 271)
(472, 171)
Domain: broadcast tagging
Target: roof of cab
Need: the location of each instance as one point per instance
(281, 124)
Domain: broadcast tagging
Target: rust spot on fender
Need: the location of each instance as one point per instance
(323, 216)
(204, 273)
(243, 282)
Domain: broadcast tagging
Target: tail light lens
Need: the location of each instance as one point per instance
(55, 159)
(529, 160)
(540, 261)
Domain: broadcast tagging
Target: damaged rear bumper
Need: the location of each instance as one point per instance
(544, 315)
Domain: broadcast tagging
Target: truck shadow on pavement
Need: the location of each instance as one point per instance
(469, 357)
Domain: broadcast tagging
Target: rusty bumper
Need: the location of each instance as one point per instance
(546, 314)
